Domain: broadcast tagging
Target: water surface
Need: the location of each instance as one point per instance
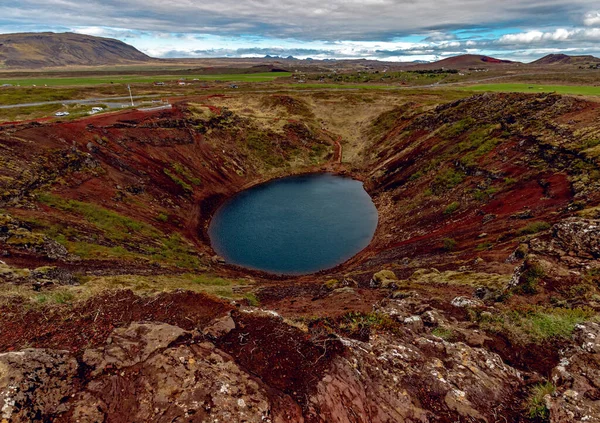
(295, 225)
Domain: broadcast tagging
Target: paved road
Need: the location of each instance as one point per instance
(82, 101)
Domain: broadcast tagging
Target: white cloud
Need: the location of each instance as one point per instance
(592, 19)
(558, 35)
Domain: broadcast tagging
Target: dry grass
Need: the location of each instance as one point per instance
(143, 285)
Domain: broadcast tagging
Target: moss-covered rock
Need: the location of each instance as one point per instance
(384, 279)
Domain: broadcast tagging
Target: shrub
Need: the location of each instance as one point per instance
(529, 280)
(449, 244)
(484, 246)
(452, 207)
(536, 406)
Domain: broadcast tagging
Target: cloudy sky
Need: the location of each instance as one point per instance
(395, 30)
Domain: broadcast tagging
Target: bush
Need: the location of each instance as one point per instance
(452, 207)
(528, 283)
(449, 244)
(536, 406)
(484, 246)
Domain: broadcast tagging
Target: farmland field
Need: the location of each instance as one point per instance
(131, 79)
(533, 88)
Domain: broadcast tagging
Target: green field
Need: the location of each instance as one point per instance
(533, 88)
(132, 79)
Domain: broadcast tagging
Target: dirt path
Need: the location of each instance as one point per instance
(337, 155)
(336, 139)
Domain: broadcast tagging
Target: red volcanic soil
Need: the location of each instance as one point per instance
(88, 324)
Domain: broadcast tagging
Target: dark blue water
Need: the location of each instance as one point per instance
(295, 225)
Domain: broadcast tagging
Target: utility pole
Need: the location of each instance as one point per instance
(130, 96)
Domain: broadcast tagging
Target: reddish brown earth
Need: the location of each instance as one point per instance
(430, 340)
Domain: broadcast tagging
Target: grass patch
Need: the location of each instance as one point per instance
(186, 173)
(484, 246)
(457, 128)
(444, 333)
(535, 404)
(485, 194)
(207, 283)
(536, 324)
(131, 79)
(56, 297)
(184, 185)
(118, 236)
(261, 145)
(533, 88)
(452, 207)
(534, 228)
(529, 281)
(446, 181)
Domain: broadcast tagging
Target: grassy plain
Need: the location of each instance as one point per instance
(85, 80)
(533, 88)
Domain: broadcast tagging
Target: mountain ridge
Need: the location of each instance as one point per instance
(48, 49)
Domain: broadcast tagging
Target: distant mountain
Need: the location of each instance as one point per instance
(464, 61)
(470, 60)
(565, 59)
(47, 49)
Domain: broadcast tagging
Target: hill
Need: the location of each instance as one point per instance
(466, 61)
(47, 49)
(565, 59)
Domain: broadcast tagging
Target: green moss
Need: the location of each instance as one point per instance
(186, 173)
(355, 322)
(384, 275)
(186, 187)
(252, 299)
(484, 246)
(484, 195)
(23, 238)
(457, 128)
(118, 236)
(162, 217)
(444, 333)
(446, 181)
(331, 284)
